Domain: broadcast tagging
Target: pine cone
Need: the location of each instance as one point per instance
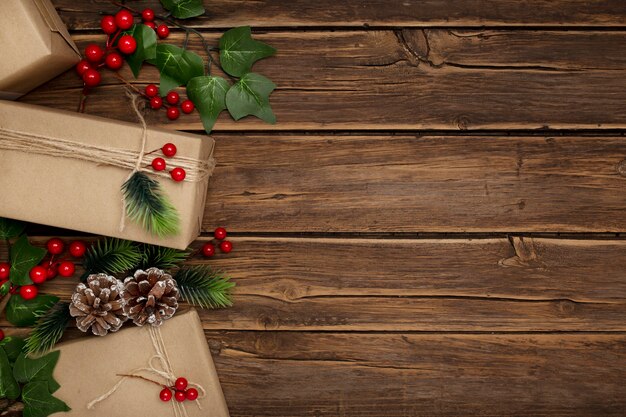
(150, 296)
(98, 304)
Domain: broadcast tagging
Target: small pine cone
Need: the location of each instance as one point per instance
(98, 304)
(150, 296)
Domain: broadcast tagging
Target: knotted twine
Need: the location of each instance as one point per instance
(164, 372)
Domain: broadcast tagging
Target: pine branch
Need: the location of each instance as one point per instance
(111, 256)
(204, 287)
(161, 257)
(49, 328)
(147, 205)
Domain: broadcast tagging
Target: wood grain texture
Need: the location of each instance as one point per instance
(363, 13)
(410, 79)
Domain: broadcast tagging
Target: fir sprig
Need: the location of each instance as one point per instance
(148, 206)
(161, 257)
(111, 256)
(202, 286)
(48, 329)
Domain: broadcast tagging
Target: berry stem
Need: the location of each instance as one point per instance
(82, 101)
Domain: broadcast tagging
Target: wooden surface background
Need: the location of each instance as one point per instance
(433, 227)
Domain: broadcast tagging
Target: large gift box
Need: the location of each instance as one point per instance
(35, 45)
(90, 372)
(66, 170)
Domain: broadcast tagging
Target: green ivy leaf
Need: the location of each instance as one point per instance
(146, 47)
(23, 257)
(184, 9)
(10, 228)
(13, 347)
(177, 66)
(9, 387)
(27, 369)
(39, 402)
(250, 96)
(208, 93)
(238, 51)
(23, 313)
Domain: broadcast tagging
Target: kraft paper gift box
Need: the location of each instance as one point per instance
(35, 45)
(85, 195)
(88, 369)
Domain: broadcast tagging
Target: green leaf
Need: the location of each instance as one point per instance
(146, 47)
(177, 66)
(161, 257)
(202, 286)
(23, 257)
(27, 369)
(38, 402)
(209, 96)
(13, 347)
(49, 328)
(23, 313)
(238, 51)
(184, 9)
(9, 387)
(111, 256)
(4, 288)
(10, 228)
(250, 96)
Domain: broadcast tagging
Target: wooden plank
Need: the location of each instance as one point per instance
(418, 285)
(410, 79)
(363, 13)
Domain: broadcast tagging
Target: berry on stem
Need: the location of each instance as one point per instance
(180, 384)
(66, 269)
(169, 150)
(127, 44)
(93, 53)
(5, 269)
(151, 25)
(38, 274)
(191, 394)
(220, 233)
(28, 292)
(226, 246)
(114, 61)
(163, 31)
(108, 25)
(208, 250)
(173, 113)
(165, 394)
(124, 19)
(55, 246)
(187, 106)
(172, 97)
(156, 103)
(158, 164)
(178, 174)
(77, 248)
(52, 271)
(91, 78)
(147, 15)
(180, 396)
(82, 66)
(152, 90)
(1, 335)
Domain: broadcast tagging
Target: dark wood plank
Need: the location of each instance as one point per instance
(411, 79)
(363, 13)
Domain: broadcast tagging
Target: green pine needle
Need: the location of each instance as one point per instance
(202, 286)
(49, 328)
(111, 256)
(147, 205)
(161, 257)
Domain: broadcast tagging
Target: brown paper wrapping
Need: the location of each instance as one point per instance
(85, 196)
(87, 369)
(36, 46)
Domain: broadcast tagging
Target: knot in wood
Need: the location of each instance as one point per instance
(621, 168)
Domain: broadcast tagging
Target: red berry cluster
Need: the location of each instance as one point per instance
(158, 164)
(208, 249)
(172, 98)
(181, 392)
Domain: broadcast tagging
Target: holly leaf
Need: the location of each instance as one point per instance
(177, 66)
(4, 288)
(184, 9)
(208, 93)
(238, 51)
(10, 228)
(24, 313)
(13, 347)
(146, 47)
(250, 96)
(9, 387)
(23, 257)
(27, 369)
(39, 402)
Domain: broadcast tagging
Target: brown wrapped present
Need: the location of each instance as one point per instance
(66, 170)
(108, 376)
(36, 46)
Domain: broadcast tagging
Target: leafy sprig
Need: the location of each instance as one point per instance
(111, 256)
(204, 287)
(49, 328)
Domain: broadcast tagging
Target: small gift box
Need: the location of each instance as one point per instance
(119, 375)
(75, 171)
(35, 44)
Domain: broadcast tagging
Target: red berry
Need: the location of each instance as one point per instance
(165, 394)
(82, 66)
(169, 150)
(5, 268)
(180, 396)
(151, 90)
(127, 44)
(163, 31)
(180, 384)
(151, 25)
(107, 24)
(208, 250)
(124, 19)
(55, 246)
(28, 292)
(52, 271)
(66, 269)
(226, 246)
(1, 334)
(93, 53)
(147, 15)
(14, 289)
(158, 164)
(187, 106)
(178, 174)
(172, 97)
(77, 248)
(220, 233)
(191, 394)
(114, 61)
(91, 78)
(38, 274)
(173, 113)
(156, 103)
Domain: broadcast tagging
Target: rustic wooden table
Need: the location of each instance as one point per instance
(433, 225)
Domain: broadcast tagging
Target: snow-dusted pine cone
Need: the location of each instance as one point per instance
(150, 296)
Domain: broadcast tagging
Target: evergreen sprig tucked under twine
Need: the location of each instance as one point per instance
(49, 328)
(202, 286)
